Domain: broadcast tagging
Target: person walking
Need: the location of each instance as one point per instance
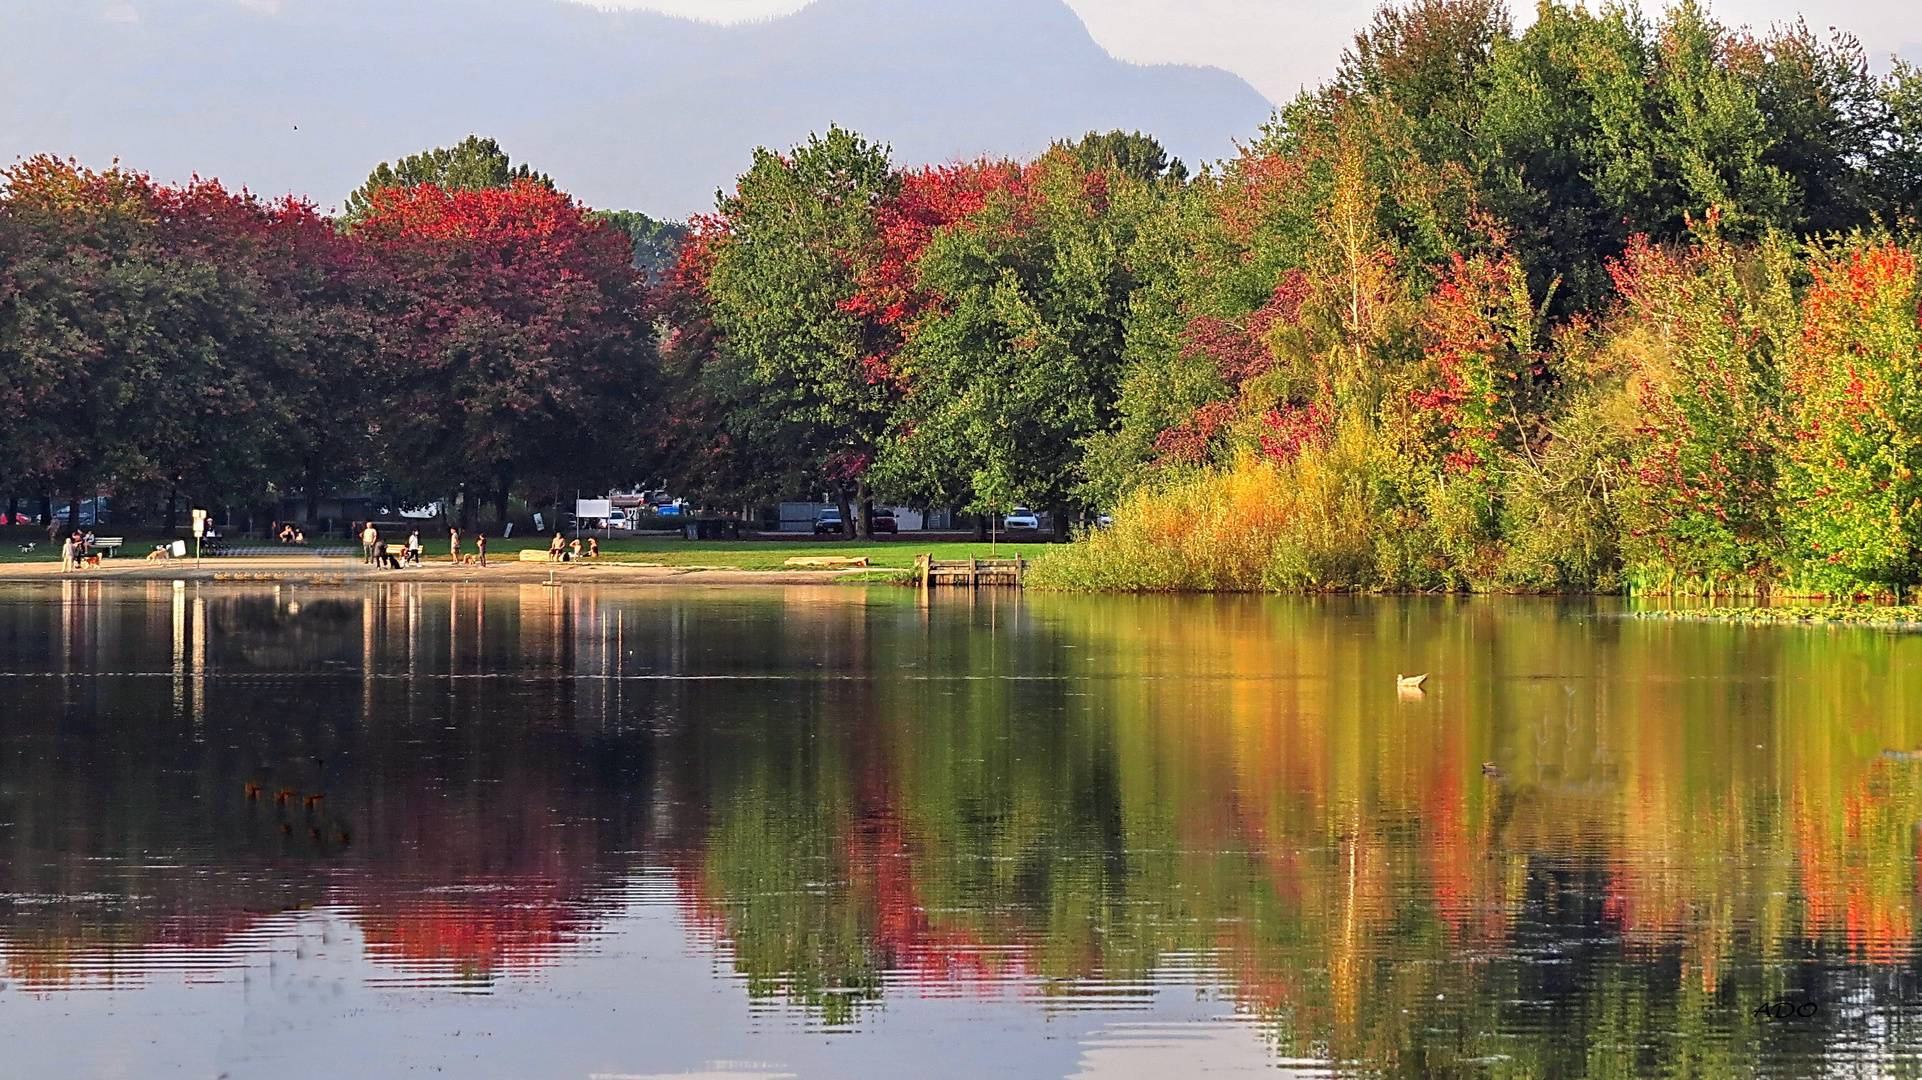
(66, 555)
(453, 543)
(413, 547)
(480, 548)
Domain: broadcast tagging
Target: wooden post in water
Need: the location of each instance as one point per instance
(974, 572)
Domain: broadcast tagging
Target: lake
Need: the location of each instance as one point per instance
(603, 833)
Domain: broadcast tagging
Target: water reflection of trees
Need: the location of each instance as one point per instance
(1237, 780)
(468, 827)
(1070, 796)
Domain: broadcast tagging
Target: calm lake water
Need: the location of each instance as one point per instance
(605, 834)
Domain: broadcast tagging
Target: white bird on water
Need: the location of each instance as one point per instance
(1410, 682)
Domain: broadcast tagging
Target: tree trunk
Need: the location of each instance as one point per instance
(466, 510)
(847, 515)
(73, 512)
(980, 528)
(46, 509)
(500, 504)
(1058, 521)
(13, 508)
(173, 499)
(864, 525)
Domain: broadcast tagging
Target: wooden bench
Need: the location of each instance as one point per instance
(109, 545)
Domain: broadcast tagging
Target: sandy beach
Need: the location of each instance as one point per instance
(299, 567)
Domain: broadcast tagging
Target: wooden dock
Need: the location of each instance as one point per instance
(974, 573)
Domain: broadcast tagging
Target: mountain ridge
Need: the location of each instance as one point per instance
(626, 108)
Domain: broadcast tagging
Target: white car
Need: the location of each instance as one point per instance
(1022, 518)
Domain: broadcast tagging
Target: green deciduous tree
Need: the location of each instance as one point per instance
(473, 164)
(784, 259)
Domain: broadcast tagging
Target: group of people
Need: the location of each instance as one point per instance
(76, 549)
(559, 550)
(375, 553)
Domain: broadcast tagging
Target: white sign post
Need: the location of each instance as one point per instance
(588, 509)
(200, 530)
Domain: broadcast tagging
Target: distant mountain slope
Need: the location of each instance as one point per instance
(626, 109)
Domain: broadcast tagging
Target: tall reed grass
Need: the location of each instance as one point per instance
(1257, 525)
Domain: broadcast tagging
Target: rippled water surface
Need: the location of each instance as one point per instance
(620, 833)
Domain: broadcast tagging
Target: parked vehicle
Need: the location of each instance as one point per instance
(1022, 518)
(828, 522)
(883, 521)
(617, 519)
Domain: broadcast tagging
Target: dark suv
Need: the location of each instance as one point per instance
(883, 521)
(828, 522)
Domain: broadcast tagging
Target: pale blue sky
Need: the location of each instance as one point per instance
(1279, 45)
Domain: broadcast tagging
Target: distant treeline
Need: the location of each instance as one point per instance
(1604, 302)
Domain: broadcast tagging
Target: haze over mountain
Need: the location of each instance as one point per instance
(624, 108)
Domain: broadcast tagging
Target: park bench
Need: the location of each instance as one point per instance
(109, 545)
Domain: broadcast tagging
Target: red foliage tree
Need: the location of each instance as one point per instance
(515, 341)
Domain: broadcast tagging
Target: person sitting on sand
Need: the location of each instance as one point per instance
(593, 548)
(574, 550)
(555, 548)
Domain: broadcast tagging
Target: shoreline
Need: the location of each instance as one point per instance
(267, 570)
(1905, 617)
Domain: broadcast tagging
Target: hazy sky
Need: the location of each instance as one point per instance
(1280, 45)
